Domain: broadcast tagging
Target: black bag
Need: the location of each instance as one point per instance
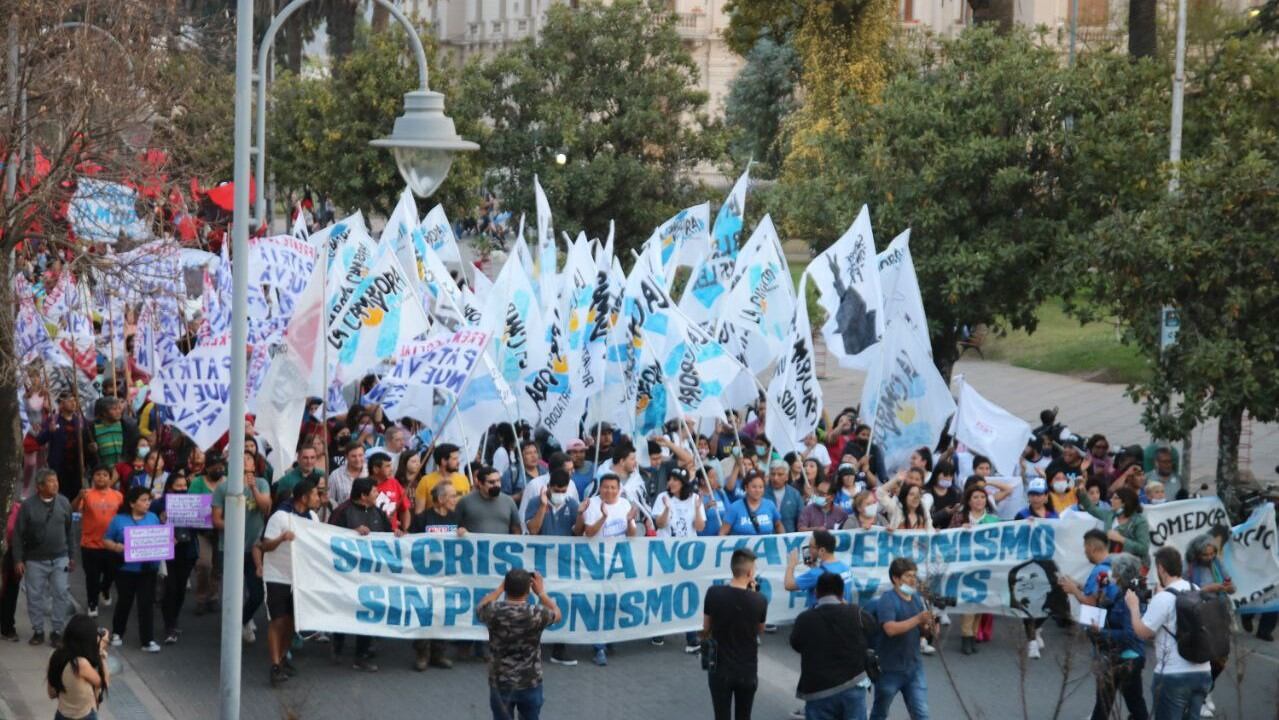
(1203, 625)
(710, 654)
(873, 671)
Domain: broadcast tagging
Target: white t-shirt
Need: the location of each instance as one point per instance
(617, 522)
(683, 515)
(1161, 616)
(533, 493)
(819, 453)
(277, 565)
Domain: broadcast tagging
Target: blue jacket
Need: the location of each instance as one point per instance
(790, 506)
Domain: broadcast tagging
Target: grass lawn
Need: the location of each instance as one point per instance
(1061, 345)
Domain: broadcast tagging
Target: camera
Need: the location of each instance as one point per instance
(941, 602)
(808, 558)
(1139, 588)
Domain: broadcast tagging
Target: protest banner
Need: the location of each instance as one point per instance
(196, 388)
(148, 543)
(442, 362)
(428, 586)
(193, 511)
(101, 211)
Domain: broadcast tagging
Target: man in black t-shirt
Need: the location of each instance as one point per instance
(440, 518)
(734, 618)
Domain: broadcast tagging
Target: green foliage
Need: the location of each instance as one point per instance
(320, 128)
(198, 132)
(759, 99)
(613, 89)
(967, 151)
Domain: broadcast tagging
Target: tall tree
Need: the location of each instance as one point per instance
(759, 100)
(614, 90)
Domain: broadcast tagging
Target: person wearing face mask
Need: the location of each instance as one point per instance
(186, 551)
(1062, 495)
(487, 510)
(866, 513)
(941, 498)
(1155, 493)
(822, 513)
(974, 513)
(555, 514)
(1039, 509)
(906, 623)
(1125, 524)
(678, 513)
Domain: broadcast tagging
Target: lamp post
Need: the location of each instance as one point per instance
(423, 142)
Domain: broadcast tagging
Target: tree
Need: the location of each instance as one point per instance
(1143, 36)
(320, 128)
(967, 152)
(1207, 251)
(759, 100)
(613, 89)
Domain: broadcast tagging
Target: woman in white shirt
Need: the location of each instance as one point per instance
(678, 511)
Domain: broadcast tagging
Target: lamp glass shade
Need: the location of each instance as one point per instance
(423, 169)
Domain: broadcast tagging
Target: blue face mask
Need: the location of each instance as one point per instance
(820, 501)
(906, 590)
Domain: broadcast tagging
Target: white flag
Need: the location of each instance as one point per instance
(381, 313)
(546, 260)
(990, 430)
(761, 303)
(905, 398)
(439, 236)
(794, 395)
(847, 280)
(902, 301)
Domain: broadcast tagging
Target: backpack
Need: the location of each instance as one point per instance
(1203, 625)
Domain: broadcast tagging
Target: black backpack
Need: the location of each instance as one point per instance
(1203, 625)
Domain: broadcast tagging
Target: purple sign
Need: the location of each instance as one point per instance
(148, 543)
(191, 511)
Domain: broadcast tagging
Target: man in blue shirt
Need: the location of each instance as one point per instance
(554, 513)
(902, 615)
(820, 557)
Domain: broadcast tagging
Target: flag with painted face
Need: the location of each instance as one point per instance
(906, 399)
(902, 300)
(381, 313)
(848, 288)
(794, 395)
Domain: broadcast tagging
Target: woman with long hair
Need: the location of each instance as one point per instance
(186, 551)
(77, 676)
(134, 580)
(814, 473)
(973, 513)
(941, 498)
(754, 514)
(409, 471)
(504, 448)
(1125, 524)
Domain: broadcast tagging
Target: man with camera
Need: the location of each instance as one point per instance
(1183, 673)
(833, 640)
(819, 556)
(731, 626)
(904, 618)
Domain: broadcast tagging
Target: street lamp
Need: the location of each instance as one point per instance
(423, 140)
(560, 158)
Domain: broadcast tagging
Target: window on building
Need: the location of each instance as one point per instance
(908, 10)
(523, 25)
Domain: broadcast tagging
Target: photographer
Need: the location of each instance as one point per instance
(819, 556)
(731, 626)
(1180, 684)
(905, 620)
(833, 640)
(1121, 655)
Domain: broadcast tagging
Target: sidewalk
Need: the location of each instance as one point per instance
(22, 675)
(1085, 407)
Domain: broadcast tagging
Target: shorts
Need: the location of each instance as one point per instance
(279, 600)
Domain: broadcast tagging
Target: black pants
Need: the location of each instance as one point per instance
(175, 590)
(732, 697)
(1124, 678)
(254, 590)
(8, 595)
(99, 570)
(1266, 623)
(363, 643)
(139, 586)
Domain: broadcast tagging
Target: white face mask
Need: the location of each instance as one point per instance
(143, 451)
(1060, 486)
(871, 510)
(558, 499)
(1157, 501)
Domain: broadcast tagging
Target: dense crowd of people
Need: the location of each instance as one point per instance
(369, 473)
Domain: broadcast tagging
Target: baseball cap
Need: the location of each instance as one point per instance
(575, 444)
(1037, 487)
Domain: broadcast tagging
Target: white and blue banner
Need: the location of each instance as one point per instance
(428, 586)
(102, 211)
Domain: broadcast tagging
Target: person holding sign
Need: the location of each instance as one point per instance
(135, 580)
(186, 551)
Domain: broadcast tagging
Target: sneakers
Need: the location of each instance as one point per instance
(364, 664)
(1032, 650)
(106, 599)
(601, 658)
(968, 646)
(943, 618)
(565, 661)
(1208, 709)
(692, 649)
(11, 635)
(250, 635)
(36, 639)
(151, 647)
(171, 638)
(926, 648)
(1039, 638)
(93, 611)
(278, 676)
(658, 641)
(55, 639)
(770, 628)
(116, 640)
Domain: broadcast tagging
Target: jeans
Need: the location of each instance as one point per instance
(131, 586)
(254, 590)
(525, 704)
(175, 591)
(1124, 678)
(48, 581)
(847, 705)
(99, 569)
(914, 689)
(732, 697)
(1179, 696)
(93, 715)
